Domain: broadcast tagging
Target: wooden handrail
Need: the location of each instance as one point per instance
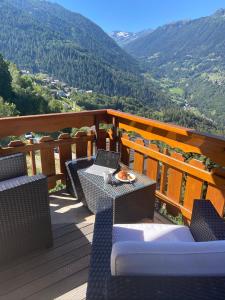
(188, 140)
(149, 122)
(15, 126)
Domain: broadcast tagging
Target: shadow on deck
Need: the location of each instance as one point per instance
(60, 272)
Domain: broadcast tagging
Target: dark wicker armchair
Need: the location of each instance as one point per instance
(25, 222)
(73, 182)
(206, 224)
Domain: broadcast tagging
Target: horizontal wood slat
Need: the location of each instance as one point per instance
(38, 146)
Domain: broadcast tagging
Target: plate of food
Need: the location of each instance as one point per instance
(125, 176)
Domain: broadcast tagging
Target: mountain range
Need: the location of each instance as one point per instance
(44, 37)
(123, 37)
(189, 58)
(201, 41)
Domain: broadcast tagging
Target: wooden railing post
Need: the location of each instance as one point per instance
(90, 143)
(32, 159)
(152, 165)
(48, 161)
(193, 188)
(113, 134)
(217, 195)
(97, 131)
(125, 151)
(163, 175)
(82, 144)
(65, 153)
(139, 158)
(175, 178)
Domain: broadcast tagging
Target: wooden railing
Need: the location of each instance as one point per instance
(47, 154)
(180, 180)
(166, 153)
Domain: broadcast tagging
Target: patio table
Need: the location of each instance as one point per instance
(131, 202)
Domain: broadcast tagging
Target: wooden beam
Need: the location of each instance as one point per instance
(15, 126)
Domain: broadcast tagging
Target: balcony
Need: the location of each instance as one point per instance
(185, 164)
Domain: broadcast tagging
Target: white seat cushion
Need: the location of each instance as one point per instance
(151, 232)
(160, 249)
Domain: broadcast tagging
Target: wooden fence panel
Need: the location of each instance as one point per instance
(152, 165)
(138, 158)
(193, 188)
(175, 178)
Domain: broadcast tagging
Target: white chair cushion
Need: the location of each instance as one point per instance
(151, 232)
(144, 249)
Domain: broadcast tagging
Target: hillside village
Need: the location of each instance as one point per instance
(57, 88)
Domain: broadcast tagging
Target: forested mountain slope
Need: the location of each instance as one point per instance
(199, 43)
(44, 37)
(188, 57)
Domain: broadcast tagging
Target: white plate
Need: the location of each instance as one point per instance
(133, 177)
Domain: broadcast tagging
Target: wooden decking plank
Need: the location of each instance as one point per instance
(56, 227)
(76, 234)
(52, 278)
(44, 269)
(73, 235)
(39, 252)
(45, 258)
(69, 228)
(73, 287)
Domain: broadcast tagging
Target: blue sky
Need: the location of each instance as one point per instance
(135, 15)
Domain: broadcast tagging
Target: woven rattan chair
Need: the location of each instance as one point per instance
(206, 225)
(73, 182)
(25, 222)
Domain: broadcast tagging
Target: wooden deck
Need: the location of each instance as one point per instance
(60, 272)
